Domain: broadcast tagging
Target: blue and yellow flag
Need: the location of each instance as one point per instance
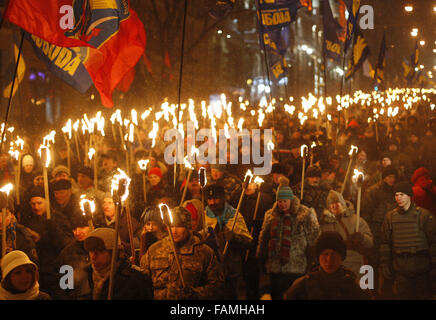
(332, 46)
(360, 53)
(353, 7)
(379, 75)
(20, 72)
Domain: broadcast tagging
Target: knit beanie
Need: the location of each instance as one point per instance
(59, 169)
(27, 160)
(37, 192)
(331, 240)
(284, 192)
(388, 171)
(62, 184)
(156, 171)
(333, 197)
(13, 260)
(404, 187)
(215, 191)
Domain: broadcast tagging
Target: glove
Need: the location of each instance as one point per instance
(385, 270)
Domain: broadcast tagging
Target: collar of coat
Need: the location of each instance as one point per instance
(329, 217)
(188, 247)
(297, 209)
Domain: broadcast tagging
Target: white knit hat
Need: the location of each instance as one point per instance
(14, 259)
(27, 159)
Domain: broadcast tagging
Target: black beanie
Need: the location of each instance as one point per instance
(387, 171)
(331, 240)
(37, 192)
(404, 187)
(62, 184)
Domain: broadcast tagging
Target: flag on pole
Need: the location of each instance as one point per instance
(332, 46)
(10, 71)
(360, 53)
(379, 74)
(353, 7)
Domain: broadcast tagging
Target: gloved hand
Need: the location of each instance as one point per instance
(386, 272)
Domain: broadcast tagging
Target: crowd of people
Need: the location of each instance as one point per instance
(291, 237)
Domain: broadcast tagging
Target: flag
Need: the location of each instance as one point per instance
(342, 21)
(107, 40)
(353, 7)
(331, 45)
(379, 75)
(410, 68)
(360, 53)
(10, 71)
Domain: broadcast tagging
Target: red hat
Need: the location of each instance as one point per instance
(191, 208)
(156, 171)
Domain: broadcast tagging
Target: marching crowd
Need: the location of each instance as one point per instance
(287, 238)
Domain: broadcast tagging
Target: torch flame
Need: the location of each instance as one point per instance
(143, 164)
(352, 149)
(170, 215)
(47, 153)
(7, 188)
(84, 200)
(248, 174)
(116, 182)
(91, 153)
(303, 148)
(356, 175)
(258, 180)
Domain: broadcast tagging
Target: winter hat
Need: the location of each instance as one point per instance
(333, 197)
(62, 184)
(27, 160)
(37, 192)
(101, 239)
(87, 171)
(59, 169)
(214, 191)
(404, 187)
(386, 155)
(388, 171)
(13, 260)
(78, 221)
(277, 168)
(284, 192)
(313, 171)
(181, 217)
(151, 214)
(156, 171)
(420, 172)
(331, 240)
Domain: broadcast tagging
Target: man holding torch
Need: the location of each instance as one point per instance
(200, 277)
(226, 226)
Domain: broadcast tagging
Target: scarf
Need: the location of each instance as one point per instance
(99, 279)
(30, 294)
(280, 242)
(222, 219)
(11, 234)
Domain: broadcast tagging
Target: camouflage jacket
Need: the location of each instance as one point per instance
(201, 270)
(305, 230)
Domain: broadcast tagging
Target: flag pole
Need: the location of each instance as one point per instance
(12, 88)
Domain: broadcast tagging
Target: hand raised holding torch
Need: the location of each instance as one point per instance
(303, 149)
(352, 153)
(358, 178)
(167, 218)
(247, 180)
(6, 189)
(87, 207)
(143, 166)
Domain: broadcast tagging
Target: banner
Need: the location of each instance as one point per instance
(360, 53)
(353, 7)
(107, 40)
(11, 69)
(379, 75)
(331, 44)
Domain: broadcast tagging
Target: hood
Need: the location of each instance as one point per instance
(421, 177)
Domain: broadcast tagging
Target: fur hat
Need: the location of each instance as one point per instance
(331, 240)
(101, 239)
(13, 260)
(37, 192)
(333, 197)
(181, 217)
(284, 192)
(152, 214)
(214, 191)
(404, 187)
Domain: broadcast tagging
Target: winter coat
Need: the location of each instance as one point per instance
(319, 285)
(239, 240)
(378, 200)
(305, 231)
(200, 267)
(76, 256)
(71, 210)
(329, 222)
(314, 196)
(424, 191)
(129, 284)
